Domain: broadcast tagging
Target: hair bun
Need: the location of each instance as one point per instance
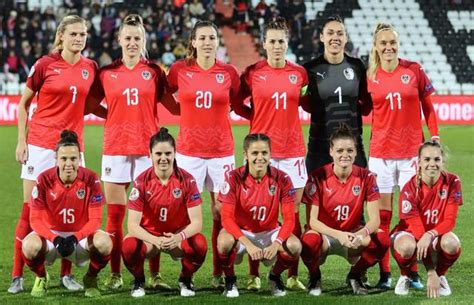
(69, 135)
(133, 19)
(164, 129)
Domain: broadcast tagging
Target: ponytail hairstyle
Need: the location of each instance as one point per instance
(191, 53)
(68, 138)
(374, 58)
(252, 138)
(278, 23)
(419, 180)
(137, 21)
(164, 136)
(71, 19)
(343, 132)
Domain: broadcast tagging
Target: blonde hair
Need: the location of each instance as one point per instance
(136, 20)
(71, 19)
(374, 58)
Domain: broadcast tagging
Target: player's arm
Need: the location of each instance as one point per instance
(374, 219)
(169, 102)
(305, 100)
(430, 117)
(172, 240)
(137, 231)
(38, 224)
(24, 105)
(238, 105)
(365, 99)
(95, 220)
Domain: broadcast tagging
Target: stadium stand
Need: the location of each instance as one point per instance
(437, 33)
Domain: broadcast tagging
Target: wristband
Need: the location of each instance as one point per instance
(366, 230)
(183, 235)
(431, 233)
(278, 240)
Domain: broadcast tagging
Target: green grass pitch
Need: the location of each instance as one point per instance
(458, 139)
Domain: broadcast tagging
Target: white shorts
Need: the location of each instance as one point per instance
(336, 248)
(208, 172)
(294, 167)
(262, 240)
(39, 160)
(123, 169)
(80, 256)
(392, 172)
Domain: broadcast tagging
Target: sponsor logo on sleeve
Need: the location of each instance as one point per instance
(219, 78)
(292, 192)
(225, 188)
(177, 193)
(406, 206)
(34, 192)
(428, 87)
(85, 74)
(375, 189)
(349, 73)
(405, 78)
(97, 198)
(457, 196)
(81, 193)
(195, 196)
(356, 190)
(134, 194)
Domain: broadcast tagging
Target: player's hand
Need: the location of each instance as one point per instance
(171, 241)
(254, 252)
(422, 246)
(21, 152)
(347, 239)
(158, 242)
(357, 241)
(270, 251)
(65, 246)
(433, 284)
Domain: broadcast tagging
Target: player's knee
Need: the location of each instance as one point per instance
(31, 246)
(199, 244)
(293, 245)
(450, 243)
(103, 243)
(405, 246)
(225, 242)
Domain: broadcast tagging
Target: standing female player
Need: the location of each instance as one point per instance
(164, 216)
(400, 91)
(66, 214)
(62, 81)
(207, 89)
(338, 93)
(428, 210)
(337, 193)
(252, 197)
(275, 87)
(132, 87)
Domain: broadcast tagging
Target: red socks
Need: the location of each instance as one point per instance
(216, 228)
(374, 252)
(405, 263)
(66, 267)
(385, 219)
(227, 262)
(115, 216)
(133, 252)
(195, 249)
(97, 262)
(283, 262)
(446, 260)
(311, 252)
(36, 265)
(293, 270)
(22, 229)
(154, 263)
(253, 267)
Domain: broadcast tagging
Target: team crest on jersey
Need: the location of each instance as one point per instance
(349, 73)
(81, 193)
(405, 78)
(134, 194)
(146, 75)
(293, 78)
(219, 78)
(177, 193)
(271, 190)
(311, 189)
(442, 194)
(356, 190)
(30, 170)
(225, 188)
(34, 192)
(406, 206)
(108, 171)
(85, 74)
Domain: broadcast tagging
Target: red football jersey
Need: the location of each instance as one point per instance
(398, 99)
(62, 90)
(275, 96)
(341, 205)
(257, 205)
(67, 208)
(428, 204)
(164, 207)
(131, 96)
(205, 97)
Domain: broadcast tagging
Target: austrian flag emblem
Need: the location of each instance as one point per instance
(85, 74)
(293, 79)
(219, 78)
(146, 75)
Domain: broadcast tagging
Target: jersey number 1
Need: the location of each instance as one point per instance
(279, 98)
(391, 96)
